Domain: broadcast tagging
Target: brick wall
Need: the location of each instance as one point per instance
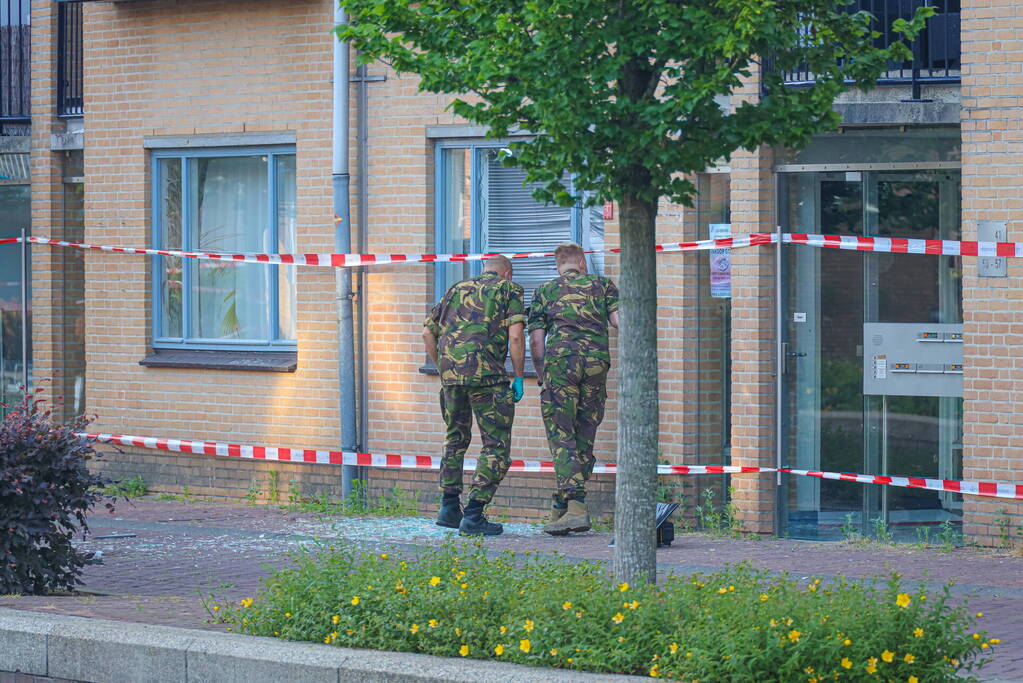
(992, 138)
(209, 67)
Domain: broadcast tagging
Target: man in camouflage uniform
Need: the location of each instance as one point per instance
(468, 335)
(568, 326)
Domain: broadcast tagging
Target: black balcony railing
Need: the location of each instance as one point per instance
(15, 67)
(936, 50)
(69, 59)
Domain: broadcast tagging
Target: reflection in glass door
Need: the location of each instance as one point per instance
(831, 294)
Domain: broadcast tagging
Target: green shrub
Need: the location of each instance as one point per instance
(45, 493)
(735, 625)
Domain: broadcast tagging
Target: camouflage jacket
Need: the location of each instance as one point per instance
(574, 310)
(471, 325)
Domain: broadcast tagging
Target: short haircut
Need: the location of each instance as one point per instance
(568, 252)
(498, 263)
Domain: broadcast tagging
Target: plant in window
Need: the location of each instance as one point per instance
(626, 98)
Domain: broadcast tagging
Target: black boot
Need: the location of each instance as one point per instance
(475, 524)
(450, 513)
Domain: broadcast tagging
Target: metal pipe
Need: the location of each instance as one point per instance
(779, 359)
(362, 193)
(24, 309)
(343, 244)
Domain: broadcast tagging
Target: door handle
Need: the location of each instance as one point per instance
(796, 354)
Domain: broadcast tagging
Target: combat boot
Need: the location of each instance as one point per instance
(576, 518)
(556, 513)
(475, 524)
(450, 513)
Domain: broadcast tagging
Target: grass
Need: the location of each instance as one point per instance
(738, 624)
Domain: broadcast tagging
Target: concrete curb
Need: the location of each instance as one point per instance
(83, 649)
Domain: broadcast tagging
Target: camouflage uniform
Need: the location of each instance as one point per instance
(573, 310)
(471, 325)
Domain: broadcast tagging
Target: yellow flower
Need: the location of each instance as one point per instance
(902, 600)
(287, 615)
(383, 556)
(355, 600)
(887, 655)
(569, 660)
(872, 665)
(655, 672)
(504, 629)
(618, 618)
(794, 635)
(528, 626)
(812, 588)
(980, 614)
(327, 640)
(464, 586)
(673, 648)
(458, 631)
(216, 608)
(499, 650)
(333, 635)
(434, 581)
(464, 650)
(633, 605)
(554, 652)
(524, 645)
(414, 628)
(689, 655)
(976, 636)
(909, 658)
(621, 639)
(846, 663)
(983, 646)
(773, 623)
(579, 615)
(432, 623)
(764, 597)
(995, 641)
(334, 619)
(913, 679)
(918, 632)
(722, 591)
(247, 602)
(566, 606)
(623, 587)
(846, 642)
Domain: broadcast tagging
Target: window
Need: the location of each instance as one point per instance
(225, 201)
(483, 206)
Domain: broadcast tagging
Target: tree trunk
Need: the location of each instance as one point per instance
(635, 558)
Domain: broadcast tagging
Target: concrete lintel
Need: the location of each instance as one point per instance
(15, 144)
(86, 649)
(465, 130)
(218, 140)
(71, 140)
(896, 113)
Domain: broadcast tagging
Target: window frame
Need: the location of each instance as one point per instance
(474, 147)
(274, 342)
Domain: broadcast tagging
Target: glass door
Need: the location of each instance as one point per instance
(831, 424)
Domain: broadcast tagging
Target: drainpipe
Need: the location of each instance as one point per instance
(362, 195)
(343, 244)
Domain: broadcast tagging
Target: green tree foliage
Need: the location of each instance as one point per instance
(627, 98)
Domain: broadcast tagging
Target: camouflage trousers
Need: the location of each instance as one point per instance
(574, 391)
(494, 409)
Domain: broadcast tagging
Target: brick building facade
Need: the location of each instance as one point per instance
(196, 112)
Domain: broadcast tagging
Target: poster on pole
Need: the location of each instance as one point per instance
(721, 263)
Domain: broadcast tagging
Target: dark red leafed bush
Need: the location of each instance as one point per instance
(45, 493)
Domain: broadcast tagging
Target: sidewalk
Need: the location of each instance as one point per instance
(161, 558)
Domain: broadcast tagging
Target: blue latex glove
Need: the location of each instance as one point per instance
(517, 389)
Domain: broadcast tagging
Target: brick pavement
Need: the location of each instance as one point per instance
(161, 558)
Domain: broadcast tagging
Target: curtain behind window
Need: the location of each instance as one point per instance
(513, 221)
(230, 214)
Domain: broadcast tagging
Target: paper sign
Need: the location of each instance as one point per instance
(720, 263)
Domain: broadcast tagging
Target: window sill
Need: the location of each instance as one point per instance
(428, 368)
(249, 361)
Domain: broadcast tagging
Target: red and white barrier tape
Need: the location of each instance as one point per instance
(426, 462)
(349, 260)
(899, 245)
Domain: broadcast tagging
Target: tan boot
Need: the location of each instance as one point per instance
(556, 513)
(576, 518)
